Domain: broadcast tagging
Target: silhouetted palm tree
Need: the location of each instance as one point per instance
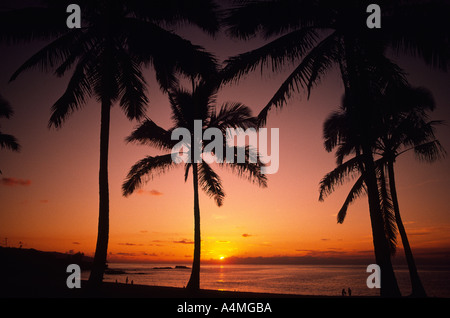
(106, 56)
(317, 35)
(403, 127)
(406, 128)
(7, 141)
(342, 131)
(321, 34)
(187, 107)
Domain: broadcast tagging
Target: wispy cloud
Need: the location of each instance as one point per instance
(133, 254)
(421, 184)
(126, 254)
(246, 235)
(149, 192)
(11, 182)
(419, 232)
(184, 241)
(149, 254)
(130, 244)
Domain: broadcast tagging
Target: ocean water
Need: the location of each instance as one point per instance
(284, 279)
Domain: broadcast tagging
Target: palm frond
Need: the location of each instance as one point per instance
(165, 74)
(271, 18)
(78, 89)
(34, 23)
(6, 110)
(415, 131)
(147, 167)
(430, 151)
(427, 40)
(249, 168)
(232, 115)
(356, 191)
(58, 51)
(385, 74)
(417, 100)
(85, 42)
(187, 167)
(335, 129)
(204, 97)
(178, 98)
(338, 176)
(188, 106)
(287, 48)
(201, 13)
(104, 74)
(9, 142)
(345, 149)
(132, 87)
(387, 210)
(184, 111)
(149, 133)
(182, 58)
(210, 183)
(308, 73)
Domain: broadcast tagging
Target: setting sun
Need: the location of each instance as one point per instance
(222, 258)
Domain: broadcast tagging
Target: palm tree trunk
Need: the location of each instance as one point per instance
(194, 281)
(416, 284)
(101, 249)
(389, 286)
(356, 85)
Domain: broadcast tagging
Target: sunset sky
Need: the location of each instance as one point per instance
(49, 191)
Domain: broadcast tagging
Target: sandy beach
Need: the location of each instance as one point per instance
(139, 299)
(120, 290)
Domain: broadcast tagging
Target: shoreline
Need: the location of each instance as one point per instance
(110, 290)
(120, 297)
(121, 290)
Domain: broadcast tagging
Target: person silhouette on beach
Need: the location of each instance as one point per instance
(343, 291)
(349, 291)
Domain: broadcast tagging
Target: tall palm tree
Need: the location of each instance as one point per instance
(320, 34)
(404, 126)
(186, 108)
(342, 131)
(407, 127)
(106, 55)
(7, 141)
(316, 35)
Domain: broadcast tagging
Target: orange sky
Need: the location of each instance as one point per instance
(49, 191)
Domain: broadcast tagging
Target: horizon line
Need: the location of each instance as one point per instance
(436, 256)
